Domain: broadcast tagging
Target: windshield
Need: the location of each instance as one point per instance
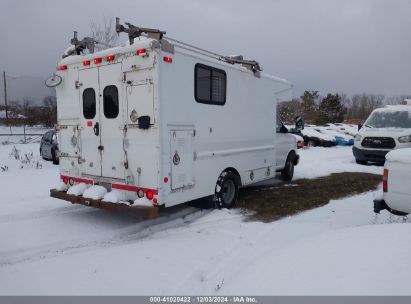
(389, 119)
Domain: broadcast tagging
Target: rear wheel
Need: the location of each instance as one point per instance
(54, 157)
(226, 190)
(360, 162)
(288, 172)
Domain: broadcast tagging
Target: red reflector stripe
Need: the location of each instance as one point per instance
(77, 179)
(132, 188)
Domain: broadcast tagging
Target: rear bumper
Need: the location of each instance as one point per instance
(377, 156)
(144, 211)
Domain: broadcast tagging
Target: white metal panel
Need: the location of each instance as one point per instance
(182, 156)
(89, 141)
(140, 100)
(112, 129)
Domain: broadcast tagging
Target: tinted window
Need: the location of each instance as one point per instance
(210, 85)
(279, 125)
(89, 103)
(110, 101)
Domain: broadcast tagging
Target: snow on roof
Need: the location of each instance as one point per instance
(400, 156)
(394, 108)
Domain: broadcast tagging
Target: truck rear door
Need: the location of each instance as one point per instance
(102, 122)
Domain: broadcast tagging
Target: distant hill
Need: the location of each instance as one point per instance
(25, 87)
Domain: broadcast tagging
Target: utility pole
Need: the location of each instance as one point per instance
(5, 97)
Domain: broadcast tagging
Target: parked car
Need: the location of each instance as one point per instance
(396, 196)
(313, 138)
(343, 128)
(385, 129)
(49, 147)
(341, 139)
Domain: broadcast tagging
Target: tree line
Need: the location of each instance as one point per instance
(333, 108)
(26, 112)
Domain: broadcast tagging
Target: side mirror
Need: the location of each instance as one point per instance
(359, 127)
(299, 123)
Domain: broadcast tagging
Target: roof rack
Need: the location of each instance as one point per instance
(135, 31)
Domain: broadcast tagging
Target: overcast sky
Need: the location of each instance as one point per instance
(350, 46)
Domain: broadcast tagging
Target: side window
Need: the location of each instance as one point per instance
(89, 103)
(110, 101)
(279, 125)
(209, 85)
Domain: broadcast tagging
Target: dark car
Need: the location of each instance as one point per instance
(49, 147)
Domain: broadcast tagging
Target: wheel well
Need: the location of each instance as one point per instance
(292, 152)
(231, 169)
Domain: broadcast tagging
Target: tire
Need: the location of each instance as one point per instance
(226, 190)
(54, 157)
(41, 154)
(288, 172)
(360, 162)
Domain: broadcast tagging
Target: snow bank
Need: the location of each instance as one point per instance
(95, 192)
(143, 202)
(61, 187)
(115, 196)
(77, 189)
(400, 155)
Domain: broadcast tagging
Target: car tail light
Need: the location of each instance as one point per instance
(65, 180)
(141, 51)
(300, 144)
(97, 60)
(110, 58)
(385, 181)
(168, 59)
(149, 194)
(63, 67)
(86, 62)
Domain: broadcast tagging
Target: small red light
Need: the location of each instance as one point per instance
(168, 59)
(63, 67)
(141, 51)
(155, 201)
(110, 57)
(97, 60)
(385, 181)
(149, 194)
(166, 179)
(65, 180)
(89, 124)
(86, 62)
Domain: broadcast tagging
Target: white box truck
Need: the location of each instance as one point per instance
(159, 122)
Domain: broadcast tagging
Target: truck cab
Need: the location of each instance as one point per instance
(385, 129)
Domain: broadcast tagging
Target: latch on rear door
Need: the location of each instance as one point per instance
(101, 148)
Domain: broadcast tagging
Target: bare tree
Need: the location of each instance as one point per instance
(104, 32)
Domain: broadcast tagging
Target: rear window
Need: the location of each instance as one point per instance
(89, 103)
(210, 85)
(110, 101)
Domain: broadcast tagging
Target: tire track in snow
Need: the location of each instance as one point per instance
(142, 230)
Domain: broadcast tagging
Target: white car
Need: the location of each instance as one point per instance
(396, 183)
(385, 129)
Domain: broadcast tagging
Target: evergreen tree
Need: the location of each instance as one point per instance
(308, 106)
(331, 109)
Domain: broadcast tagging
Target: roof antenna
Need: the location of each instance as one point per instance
(135, 31)
(80, 45)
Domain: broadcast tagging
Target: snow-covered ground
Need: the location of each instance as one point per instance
(50, 247)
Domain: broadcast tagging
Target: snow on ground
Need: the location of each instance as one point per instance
(50, 247)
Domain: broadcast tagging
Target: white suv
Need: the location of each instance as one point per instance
(396, 183)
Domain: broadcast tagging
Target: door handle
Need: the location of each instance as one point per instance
(96, 129)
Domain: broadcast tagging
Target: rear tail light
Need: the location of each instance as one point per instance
(63, 67)
(141, 51)
(86, 62)
(385, 181)
(140, 193)
(149, 194)
(300, 144)
(110, 58)
(168, 59)
(97, 60)
(65, 180)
